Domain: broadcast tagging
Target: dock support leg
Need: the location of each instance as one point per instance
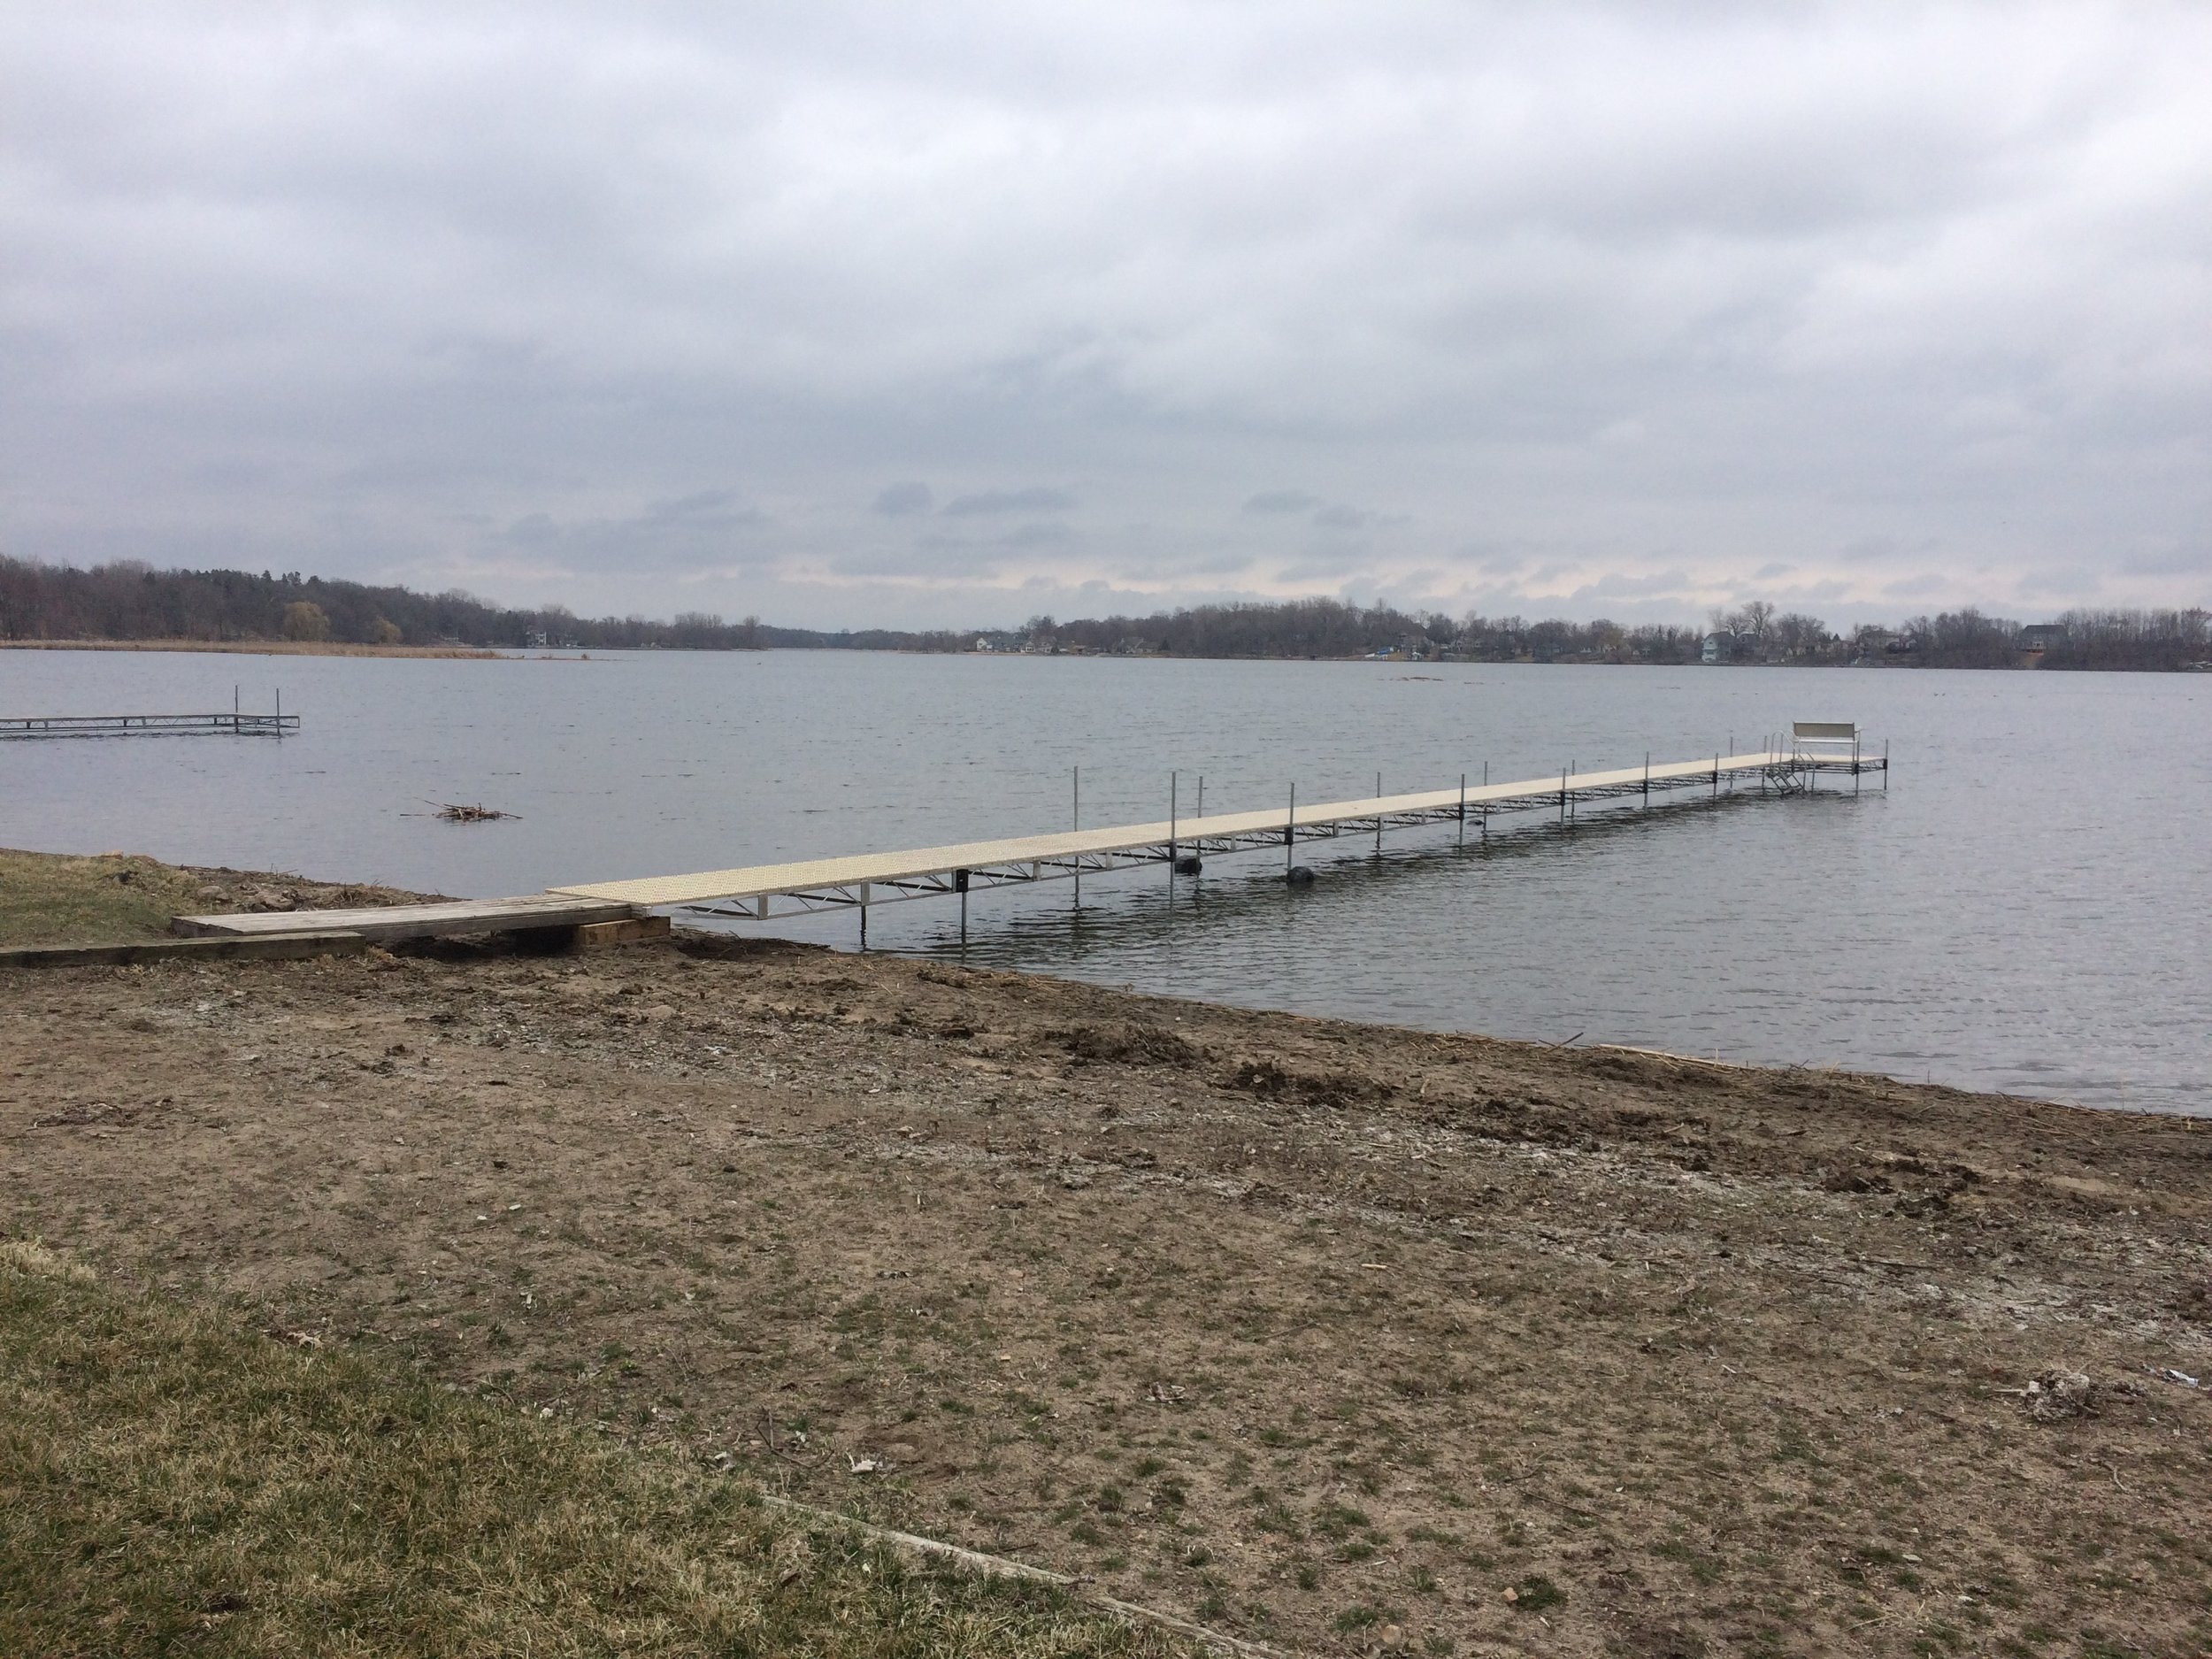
(1378, 817)
(1486, 805)
(864, 916)
(1462, 808)
(1290, 832)
(1076, 822)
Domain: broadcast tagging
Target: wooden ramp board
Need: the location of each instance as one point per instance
(416, 921)
(759, 880)
(289, 946)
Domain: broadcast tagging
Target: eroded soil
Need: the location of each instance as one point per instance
(1327, 1335)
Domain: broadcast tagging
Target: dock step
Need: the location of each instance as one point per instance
(385, 923)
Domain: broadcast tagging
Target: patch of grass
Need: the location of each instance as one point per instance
(48, 899)
(177, 1485)
(1536, 1593)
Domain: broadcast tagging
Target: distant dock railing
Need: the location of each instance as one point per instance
(234, 723)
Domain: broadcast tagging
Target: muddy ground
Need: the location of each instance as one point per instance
(1327, 1335)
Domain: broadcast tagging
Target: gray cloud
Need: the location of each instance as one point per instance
(1282, 501)
(995, 501)
(896, 500)
(575, 300)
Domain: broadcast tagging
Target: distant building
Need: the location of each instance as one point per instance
(2039, 636)
(982, 644)
(1715, 649)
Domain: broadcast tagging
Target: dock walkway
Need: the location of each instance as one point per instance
(616, 911)
(763, 892)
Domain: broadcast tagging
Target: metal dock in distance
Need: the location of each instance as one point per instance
(766, 892)
(236, 723)
(21, 725)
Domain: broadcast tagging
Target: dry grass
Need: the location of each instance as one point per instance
(112, 899)
(119, 898)
(172, 1484)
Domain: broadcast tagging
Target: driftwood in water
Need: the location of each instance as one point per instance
(453, 813)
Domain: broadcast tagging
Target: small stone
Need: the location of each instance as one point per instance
(1512, 1595)
(1393, 1637)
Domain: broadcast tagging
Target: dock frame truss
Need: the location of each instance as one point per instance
(1784, 769)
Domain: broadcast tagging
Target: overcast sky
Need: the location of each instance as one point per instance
(954, 313)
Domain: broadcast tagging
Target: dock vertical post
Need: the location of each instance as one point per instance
(1462, 808)
(1076, 822)
(1290, 831)
(1485, 802)
(864, 916)
(1171, 826)
(279, 720)
(1855, 762)
(1647, 778)
(1378, 815)
(1562, 796)
(1886, 766)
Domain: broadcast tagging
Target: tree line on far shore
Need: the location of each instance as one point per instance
(129, 600)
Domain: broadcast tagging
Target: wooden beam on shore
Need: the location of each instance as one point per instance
(298, 944)
(387, 923)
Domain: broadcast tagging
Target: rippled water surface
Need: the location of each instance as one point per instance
(2024, 909)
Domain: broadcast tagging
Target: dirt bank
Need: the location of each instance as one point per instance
(1318, 1332)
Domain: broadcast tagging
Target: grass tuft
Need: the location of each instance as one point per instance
(170, 1484)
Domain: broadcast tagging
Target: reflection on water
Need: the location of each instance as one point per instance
(2022, 910)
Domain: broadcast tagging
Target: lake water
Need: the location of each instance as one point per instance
(2024, 909)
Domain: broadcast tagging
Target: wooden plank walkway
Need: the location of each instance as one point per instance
(918, 872)
(762, 892)
(416, 921)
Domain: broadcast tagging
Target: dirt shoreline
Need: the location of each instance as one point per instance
(1318, 1333)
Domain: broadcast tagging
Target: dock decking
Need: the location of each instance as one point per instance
(614, 912)
(387, 923)
(764, 892)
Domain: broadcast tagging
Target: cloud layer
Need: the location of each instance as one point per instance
(872, 314)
